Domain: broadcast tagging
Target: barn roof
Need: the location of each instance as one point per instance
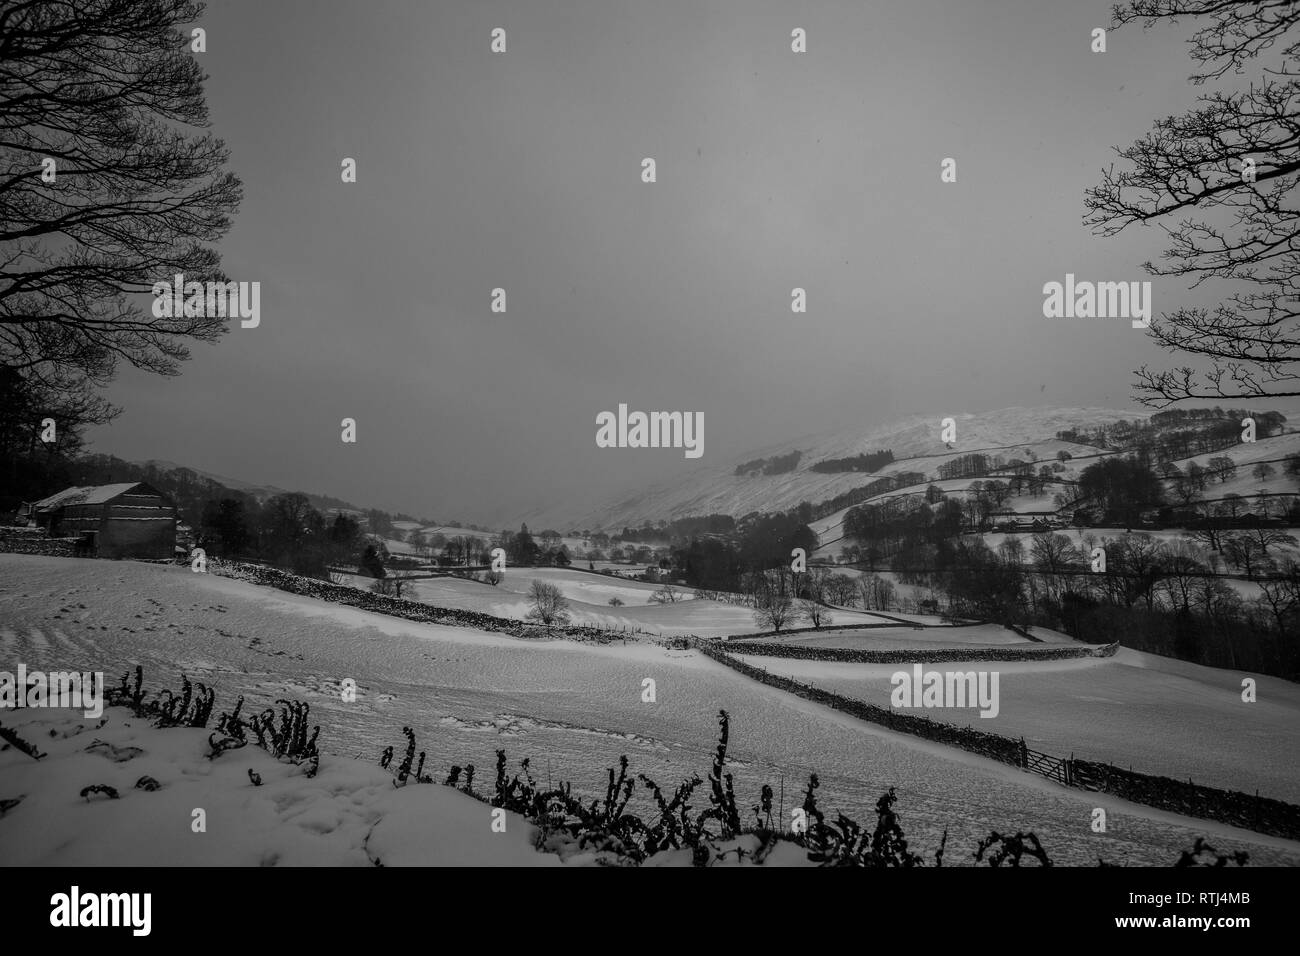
(89, 495)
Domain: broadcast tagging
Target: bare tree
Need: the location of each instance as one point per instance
(1053, 554)
(395, 586)
(1265, 538)
(1243, 553)
(1184, 566)
(773, 596)
(548, 604)
(842, 589)
(1223, 468)
(1281, 595)
(814, 612)
(877, 592)
(1211, 531)
(1012, 551)
(110, 92)
(1218, 179)
(774, 611)
(1134, 566)
(666, 595)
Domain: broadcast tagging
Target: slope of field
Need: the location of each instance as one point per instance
(903, 638)
(589, 595)
(573, 708)
(596, 589)
(1246, 456)
(1156, 714)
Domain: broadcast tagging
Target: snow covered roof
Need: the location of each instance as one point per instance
(53, 501)
(89, 495)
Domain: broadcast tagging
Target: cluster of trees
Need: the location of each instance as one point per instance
(1162, 596)
(783, 598)
(775, 465)
(869, 462)
(892, 528)
(879, 486)
(1172, 418)
(28, 464)
(646, 533)
(522, 548)
(452, 550)
(974, 465)
(887, 528)
(706, 524)
(1122, 488)
(288, 532)
(1022, 476)
(758, 543)
(1177, 433)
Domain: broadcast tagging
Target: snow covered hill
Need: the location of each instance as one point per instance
(915, 442)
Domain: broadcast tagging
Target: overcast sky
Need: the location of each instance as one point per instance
(522, 170)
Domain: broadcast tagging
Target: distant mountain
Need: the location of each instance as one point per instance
(235, 484)
(1011, 432)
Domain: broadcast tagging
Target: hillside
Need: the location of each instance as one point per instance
(1012, 432)
(260, 492)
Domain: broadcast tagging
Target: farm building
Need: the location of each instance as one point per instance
(1031, 521)
(130, 520)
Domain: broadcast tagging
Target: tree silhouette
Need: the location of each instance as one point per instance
(1219, 180)
(109, 91)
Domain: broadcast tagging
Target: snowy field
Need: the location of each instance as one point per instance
(1152, 713)
(589, 595)
(573, 708)
(902, 638)
(586, 587)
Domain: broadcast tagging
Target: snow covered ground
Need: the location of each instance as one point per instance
(1152, 713)
(586, 587)
(902, 638)
(589, 595)
(349, 814)
(574, 708)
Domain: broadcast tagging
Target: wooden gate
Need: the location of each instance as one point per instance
(1045, 765)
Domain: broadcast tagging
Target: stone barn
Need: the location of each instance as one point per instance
(130, 520)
